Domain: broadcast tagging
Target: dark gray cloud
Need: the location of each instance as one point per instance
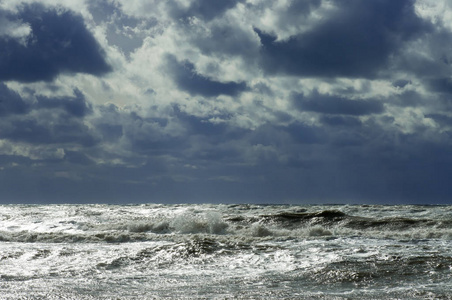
(189, 80)
(401, 83)
(427, 59)
(45, 120)
(345, 121)
(304, 134)
(54, 130)
(410, 98)
(336, 105)
(200, 126)
(356, 41)
(226, 39)
(11, 102)
(345, 160)
(110, 132)
(59, 43)
(109, 124)
(296, 13)
(442, 119)
(440, 85)
(77, 157)
(75, 106)
(353, 161)
(302, 7)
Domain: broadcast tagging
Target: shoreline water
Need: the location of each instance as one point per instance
(209, 251)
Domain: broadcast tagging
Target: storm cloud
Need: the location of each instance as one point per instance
(11, 102)
(186, 77)
(58, 42)
(357, 40)
(226, 101)
(45, 120)
(335, 105)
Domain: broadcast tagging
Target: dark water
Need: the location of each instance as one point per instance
(225, 252)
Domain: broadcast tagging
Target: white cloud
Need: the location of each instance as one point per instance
(33, 152)
(436, 11)
(14, 29)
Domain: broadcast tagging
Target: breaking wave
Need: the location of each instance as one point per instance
(237, 251)
(266, 223)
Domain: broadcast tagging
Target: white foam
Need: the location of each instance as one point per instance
(210, 250)
(210, 222)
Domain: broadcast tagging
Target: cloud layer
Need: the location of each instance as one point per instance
(242, 101)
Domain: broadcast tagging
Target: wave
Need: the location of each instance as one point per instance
(234, 221)
(336, 217)
(62, 237)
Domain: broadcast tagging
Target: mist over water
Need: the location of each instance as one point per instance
(225, 251)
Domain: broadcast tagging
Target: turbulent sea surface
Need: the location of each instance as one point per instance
(225, 252)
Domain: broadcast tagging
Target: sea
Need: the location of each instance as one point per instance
(221, 251)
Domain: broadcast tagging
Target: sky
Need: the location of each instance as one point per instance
(226, 101)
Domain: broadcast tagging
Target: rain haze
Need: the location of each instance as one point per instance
(260, 101)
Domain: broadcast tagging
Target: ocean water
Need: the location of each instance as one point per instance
(225, 252)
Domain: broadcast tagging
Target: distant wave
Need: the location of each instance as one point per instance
(296, 223)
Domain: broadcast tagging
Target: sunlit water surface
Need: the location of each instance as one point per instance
(225, 252)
